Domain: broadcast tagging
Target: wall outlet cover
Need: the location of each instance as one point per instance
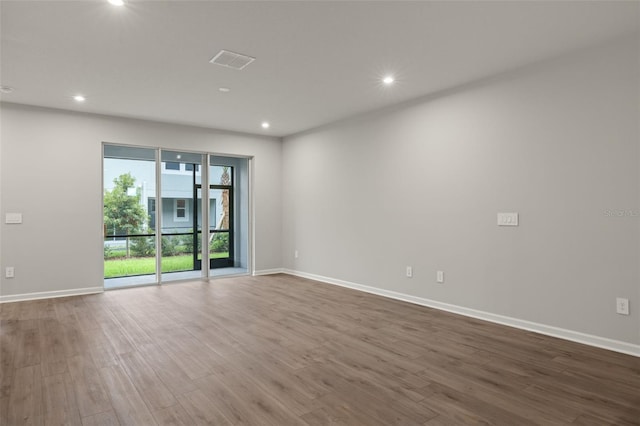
(622, 306)
(13, 218)
(507, 219)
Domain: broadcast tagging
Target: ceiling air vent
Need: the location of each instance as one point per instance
(232, 60)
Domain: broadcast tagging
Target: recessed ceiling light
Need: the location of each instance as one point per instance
(178, 156)
(6, 89)
(265, 125)
(224, 89)
(388, 80)
(79, 98)
(117, 2)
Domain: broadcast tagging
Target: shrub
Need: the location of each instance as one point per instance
(143, 247)
(220, 243)
(169, 246)
(187, 243)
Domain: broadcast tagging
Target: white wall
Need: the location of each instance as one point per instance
(421, 185)
(51, 173)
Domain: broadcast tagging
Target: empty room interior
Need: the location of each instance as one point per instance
(413, 212)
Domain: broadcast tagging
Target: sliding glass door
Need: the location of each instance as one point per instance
(164, 211)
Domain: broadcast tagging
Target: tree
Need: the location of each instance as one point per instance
(225, 179)
(123, 213)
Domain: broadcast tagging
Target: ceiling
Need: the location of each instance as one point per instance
(316, 61)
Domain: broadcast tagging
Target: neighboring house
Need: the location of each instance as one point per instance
(177, 192)
(177, 199)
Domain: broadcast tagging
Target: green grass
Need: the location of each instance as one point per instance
(147, 265)
(115, 253)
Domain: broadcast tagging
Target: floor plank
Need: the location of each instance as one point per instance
(125, 399)
(202, 410)
(108, 418)
(90, 392)
(25, 402)
(60, 406)
(175, 415)
(148, 384)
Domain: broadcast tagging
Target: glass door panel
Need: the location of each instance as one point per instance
(198, 249)
(129, 196)
(221, 228)
(220, 244)
(181, 208)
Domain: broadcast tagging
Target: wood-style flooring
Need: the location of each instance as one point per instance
(280, 350)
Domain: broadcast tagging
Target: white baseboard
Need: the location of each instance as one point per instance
(268, 272)
(574, 336)
(50, 294)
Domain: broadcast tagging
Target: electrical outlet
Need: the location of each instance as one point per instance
(440, 276)
(295, 254)
(622, 306)
(9, 272)
(409, 272)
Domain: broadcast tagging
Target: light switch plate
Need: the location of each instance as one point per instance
(13, 218)
(507, 219)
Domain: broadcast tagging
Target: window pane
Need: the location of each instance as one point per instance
(222, 208)
(139, 261)
(172, 166)
(220, 175)
(177, 253)
(219, 245)
(129, 153)
(151, 208)
(181, 207)
(181, 157)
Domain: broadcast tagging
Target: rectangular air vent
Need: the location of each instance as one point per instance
(233, 60)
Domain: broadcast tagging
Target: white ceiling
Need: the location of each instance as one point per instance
(317, 62)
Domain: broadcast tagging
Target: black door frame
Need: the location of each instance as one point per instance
(224, 262)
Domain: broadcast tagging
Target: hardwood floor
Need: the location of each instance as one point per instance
(279, 350)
